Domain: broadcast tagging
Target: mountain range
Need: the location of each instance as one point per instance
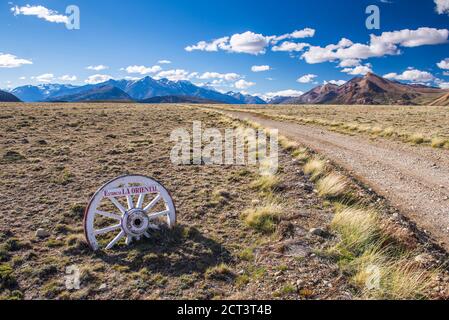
(372, 89)
(120, 90)
(369, 89)
(8, 97)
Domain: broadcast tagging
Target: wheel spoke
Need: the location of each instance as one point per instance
(129, 240)
(158, 214)
(109, 215)
(129, 200)
(140, 201)
(152, 203)
(118, 205)
(154, 226)
(106, 230)
(116, 239)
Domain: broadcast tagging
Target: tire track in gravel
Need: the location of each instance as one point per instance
(413, 179)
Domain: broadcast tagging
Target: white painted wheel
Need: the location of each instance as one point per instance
(129, 208)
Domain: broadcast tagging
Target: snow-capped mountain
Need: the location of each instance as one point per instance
(246, 98)
(42, 92)
(138, 90)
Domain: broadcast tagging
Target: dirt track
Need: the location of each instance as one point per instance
(413, 179)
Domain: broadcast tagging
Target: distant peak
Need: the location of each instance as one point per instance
(371, 75)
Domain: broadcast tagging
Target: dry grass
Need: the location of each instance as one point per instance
(266, 183)
(358, 227)
(382, 272)
(264, 218)
(394, 122)
(315, 168)
(332, 186)
(288, 144)
(438, 142)
(383, 276)
(417, 138)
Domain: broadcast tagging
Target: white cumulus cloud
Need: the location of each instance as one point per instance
(359, 70)
(98, 78)
(444, 64)
(387, 43)
(443, 85)
(412, 75)
(442, 6)
(97, 68)
(45, 78)
(41, 12)
(164, 62)
(209, 46)
(298, 34)
(290, 46)
(247, 42)
(243, 84)
(142, 69)
(336, 82)
(216, 75)
(260, 68)
(307, 78)
(252, 43)
(11, 61)
(174, 75)
(67, 78)
(349, 63)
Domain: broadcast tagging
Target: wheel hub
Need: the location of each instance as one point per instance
(135, 222)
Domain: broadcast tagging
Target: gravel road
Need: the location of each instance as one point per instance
(413, 179)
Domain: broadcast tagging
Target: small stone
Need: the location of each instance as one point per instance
(424, 259)
(103, 287)
(42, 233)
(319, 232)
(299, 283)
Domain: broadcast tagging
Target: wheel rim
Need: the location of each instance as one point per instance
(129, 208)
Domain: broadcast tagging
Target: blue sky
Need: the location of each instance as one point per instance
(132, 38)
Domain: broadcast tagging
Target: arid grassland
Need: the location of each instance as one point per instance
(306, 232)
(428, 125)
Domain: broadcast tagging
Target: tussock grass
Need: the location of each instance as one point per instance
(332, 186)
(381, 271)
(266, 183)
(288, 144)
(439, 142)
(376, 130)
(388, 132)
(264, 218)
(315, 168)
(358, 227)
(365, 245)
(384, 274)
(417, 138)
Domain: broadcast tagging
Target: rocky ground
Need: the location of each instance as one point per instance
(414, 179)
(54, 157)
